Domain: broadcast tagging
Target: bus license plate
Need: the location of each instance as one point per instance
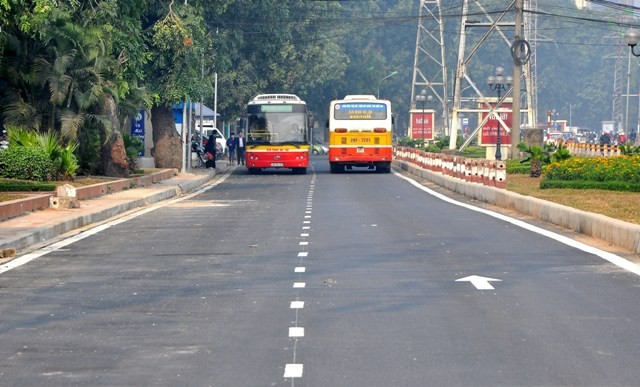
(277, 164)
(360, 149)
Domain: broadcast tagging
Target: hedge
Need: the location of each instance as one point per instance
(587, 184)
(25, 186)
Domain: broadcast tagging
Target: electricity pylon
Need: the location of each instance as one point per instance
(494, 30)
(429, 67)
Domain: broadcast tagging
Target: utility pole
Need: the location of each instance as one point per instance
(517, 73)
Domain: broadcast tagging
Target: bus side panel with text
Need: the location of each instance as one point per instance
(277, 133)
(360, 133)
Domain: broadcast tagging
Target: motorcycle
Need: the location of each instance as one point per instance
(198, 149)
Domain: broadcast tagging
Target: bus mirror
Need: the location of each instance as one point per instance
(326, 125)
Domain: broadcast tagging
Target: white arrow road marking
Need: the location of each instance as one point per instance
(481, 283)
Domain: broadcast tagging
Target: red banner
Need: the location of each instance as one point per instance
(422, 125)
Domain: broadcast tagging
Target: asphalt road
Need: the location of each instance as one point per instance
(354, 279)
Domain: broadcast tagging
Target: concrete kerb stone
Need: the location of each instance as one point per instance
(613, 231)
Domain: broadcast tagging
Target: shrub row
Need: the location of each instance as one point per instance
(518, 169)
(25, 186)
(587, 184)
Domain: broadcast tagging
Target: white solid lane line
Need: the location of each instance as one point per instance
(610, 257)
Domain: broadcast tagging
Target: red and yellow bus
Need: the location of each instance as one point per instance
(277, 133)
(360, 133)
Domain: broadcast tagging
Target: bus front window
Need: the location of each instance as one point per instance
(277, 127)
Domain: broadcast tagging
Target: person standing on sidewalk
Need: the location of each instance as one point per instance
(240, 146)
(231, 146)
(210, 151)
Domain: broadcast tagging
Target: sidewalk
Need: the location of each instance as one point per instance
(36, 227)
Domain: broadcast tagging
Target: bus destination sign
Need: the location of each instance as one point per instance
(360, 111)
(276, 108)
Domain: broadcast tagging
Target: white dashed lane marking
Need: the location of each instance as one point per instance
(296, 332)
(295, 369)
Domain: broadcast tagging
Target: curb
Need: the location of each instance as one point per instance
(613, 231)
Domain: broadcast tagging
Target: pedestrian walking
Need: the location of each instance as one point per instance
(240, 147)
(231, 146)
(210, 150)
(4, 141)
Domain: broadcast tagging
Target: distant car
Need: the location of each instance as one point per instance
(319, 148)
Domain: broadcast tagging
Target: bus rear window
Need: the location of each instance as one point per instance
(360, 111)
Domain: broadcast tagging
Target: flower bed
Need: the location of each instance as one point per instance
(613, 173)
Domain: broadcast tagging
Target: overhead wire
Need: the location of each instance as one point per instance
(381, 19)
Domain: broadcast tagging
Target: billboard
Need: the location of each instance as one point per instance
(422, 124)
(489, 133)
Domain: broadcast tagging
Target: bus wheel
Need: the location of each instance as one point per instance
(337, 168)
(383, 168)
(253, 171)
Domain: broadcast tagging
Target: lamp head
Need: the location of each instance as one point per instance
(509, 80)
(632, 37)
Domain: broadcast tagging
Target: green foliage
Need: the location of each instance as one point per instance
(516, 167)
(89, 153)
(629, 150)
(537, 156)
(25, 186)
(26, 163)
(63, 160)
(133, 146)
(534, 153)
(561, 154)
(408, 142)
(582, 184)
(19, 136)
(476, 152)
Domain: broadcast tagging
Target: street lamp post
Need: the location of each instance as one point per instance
(382, 79)
(499, 83)
(632, 38)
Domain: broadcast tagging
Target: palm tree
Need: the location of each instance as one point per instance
(537, 155)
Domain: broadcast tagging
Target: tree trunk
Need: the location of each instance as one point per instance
(536, 168)
(167, 150)
(113, 152)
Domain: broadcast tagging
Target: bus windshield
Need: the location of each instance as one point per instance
(276, 127)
